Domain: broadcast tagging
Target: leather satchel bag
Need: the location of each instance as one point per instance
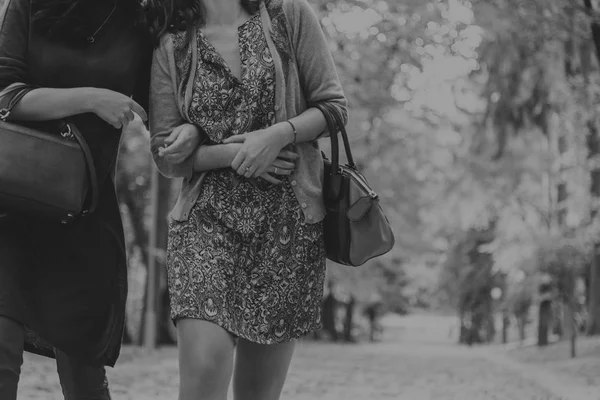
(48, 175)
(356, 229)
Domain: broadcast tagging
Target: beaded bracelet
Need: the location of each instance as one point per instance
(294, 130)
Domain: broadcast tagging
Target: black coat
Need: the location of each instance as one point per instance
(68, 284)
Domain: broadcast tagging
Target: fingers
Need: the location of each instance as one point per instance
(246, 170)
(126, 118)
(139, 110)
(115, 123)
(174, 135)
(235, 139)
(281, 164)
(176, 158)
(290, 155)
(280, 171)
(178, 144)
(271, 179)
(237, 160)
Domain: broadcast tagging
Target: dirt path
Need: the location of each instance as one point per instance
(330, 372)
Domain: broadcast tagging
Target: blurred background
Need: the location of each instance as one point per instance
(477, 122)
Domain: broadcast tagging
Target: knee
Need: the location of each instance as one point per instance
(205, 360)
(250, 386)
(202, 369)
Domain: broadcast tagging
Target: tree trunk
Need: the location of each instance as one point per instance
(571, 327)
(545, 317)
(593, 142)
(593, 323)
(505, 326)
(160, 195)
(522, 325)
(127, 338)
(140, 236)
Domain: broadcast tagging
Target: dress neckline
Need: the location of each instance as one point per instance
(219, 59)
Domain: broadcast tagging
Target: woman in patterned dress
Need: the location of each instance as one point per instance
(232, 89)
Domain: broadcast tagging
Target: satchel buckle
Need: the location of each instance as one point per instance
(66, 132)
(4, 114)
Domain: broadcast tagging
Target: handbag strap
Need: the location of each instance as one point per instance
(70, 131)
(21, 90)
(335, 124)
(67, 129)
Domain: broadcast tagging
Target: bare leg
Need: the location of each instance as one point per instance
(260, 370)
(205, 360)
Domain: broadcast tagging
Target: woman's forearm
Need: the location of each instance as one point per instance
(309, 126)
(217, 156)
(49, 104)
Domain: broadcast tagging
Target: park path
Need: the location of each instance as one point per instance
(401, 368)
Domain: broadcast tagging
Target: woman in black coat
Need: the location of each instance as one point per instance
(63, 287)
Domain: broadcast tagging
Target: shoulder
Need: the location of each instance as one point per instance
(294, 12)
(171, 43)
(163, 52)
(295, 8)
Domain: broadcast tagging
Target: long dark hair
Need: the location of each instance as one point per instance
(164, 16)
(67, 20)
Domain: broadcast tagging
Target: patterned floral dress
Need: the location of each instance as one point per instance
(245, 260)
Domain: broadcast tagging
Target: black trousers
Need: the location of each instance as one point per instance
(79, 381)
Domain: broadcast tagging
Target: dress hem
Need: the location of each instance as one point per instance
(236, 334)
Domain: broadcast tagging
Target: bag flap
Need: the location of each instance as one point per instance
(360, 208)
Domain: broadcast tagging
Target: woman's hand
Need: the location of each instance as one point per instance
(282, 166)
(259, 150)
(180, 144)
(113, 107)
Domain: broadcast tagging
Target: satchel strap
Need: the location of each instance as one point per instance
(70, 131)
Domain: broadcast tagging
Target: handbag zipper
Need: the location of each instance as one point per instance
(362, 182)
(358, 178)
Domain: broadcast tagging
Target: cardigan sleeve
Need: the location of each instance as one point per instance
(164, 114)
(14, 41)
(318, 75)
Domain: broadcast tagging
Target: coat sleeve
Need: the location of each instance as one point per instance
(318, 74)
(14, 42)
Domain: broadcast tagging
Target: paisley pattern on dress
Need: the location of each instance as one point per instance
(245, 259)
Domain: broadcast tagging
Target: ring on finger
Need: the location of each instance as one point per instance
(276, 171)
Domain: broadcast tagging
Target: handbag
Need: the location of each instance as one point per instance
(43, 174)
(356, 228)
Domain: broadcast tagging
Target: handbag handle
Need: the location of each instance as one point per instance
(68, 130)
(335, 124)
(22, 91)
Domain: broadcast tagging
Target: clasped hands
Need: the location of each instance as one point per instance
(257, 154)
